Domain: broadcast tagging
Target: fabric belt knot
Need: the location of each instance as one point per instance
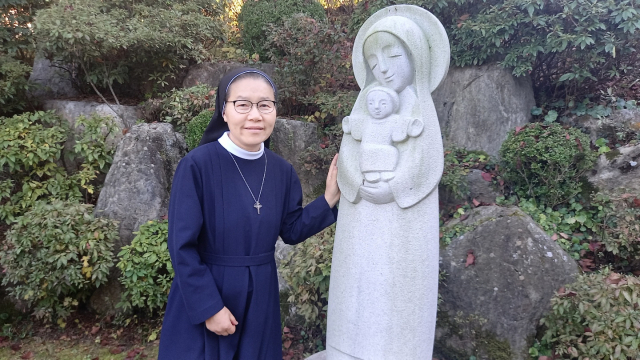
(253, 260)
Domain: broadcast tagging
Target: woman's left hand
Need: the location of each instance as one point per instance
(332, 192)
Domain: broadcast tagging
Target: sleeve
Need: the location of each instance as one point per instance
(197, 285)
(300, 223)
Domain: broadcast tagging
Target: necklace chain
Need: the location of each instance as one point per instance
(257, 204)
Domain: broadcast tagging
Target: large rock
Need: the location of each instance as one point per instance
(618, 170)
(289, 139)
(211, 73)
(491, 309)
(54, 82)
(478, 105)
(136, 190)
(620, 124)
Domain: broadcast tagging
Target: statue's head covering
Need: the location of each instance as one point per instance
(217, 126)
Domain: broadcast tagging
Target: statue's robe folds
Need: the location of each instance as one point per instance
(222, 252)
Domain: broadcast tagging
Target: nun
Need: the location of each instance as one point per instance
(230, 200)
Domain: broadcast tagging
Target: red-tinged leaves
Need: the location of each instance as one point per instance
(95, 329)
(464, 217)
(579, 144)
(486, 176)
(522, 144)
(116, 350)
(613, 279)
(544, 358)
(626, 195)
(593, 246)
(567, 136)
(636, 202)
(464, 17)
(125, 131)
(164, 217)
(16, 347)
(586, 264)
(554, 237)
(28, 355)
(519, 128)
(564, 236)
(476, 203)
(286, 344)
(471, 259)
(587, 329)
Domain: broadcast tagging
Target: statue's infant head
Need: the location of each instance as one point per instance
(382, 102)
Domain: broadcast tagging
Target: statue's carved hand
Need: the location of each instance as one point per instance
(378, 193)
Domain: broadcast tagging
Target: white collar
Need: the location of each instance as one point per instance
(236, 150)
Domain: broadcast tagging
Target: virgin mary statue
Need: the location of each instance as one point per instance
(384, 276)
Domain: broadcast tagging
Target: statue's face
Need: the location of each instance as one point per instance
(389, 61)
(379, 104)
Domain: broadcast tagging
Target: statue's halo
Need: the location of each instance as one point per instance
(435, 33)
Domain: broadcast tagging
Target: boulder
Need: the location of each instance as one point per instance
(54, 82)
(71, 110)
(289, 139)
(620, 124)
(135, 191)
(211, 73)
(478, 105)
(137, 186)
(500, 277)
(282, 251)
(618, 170)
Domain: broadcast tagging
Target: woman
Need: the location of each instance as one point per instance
(384, 275)
(231, 198)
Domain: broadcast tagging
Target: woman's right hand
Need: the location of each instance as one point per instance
(223, 323)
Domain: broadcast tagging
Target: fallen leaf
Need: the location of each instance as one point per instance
(613, 278)
(116, 350)
(579, 144)
(95, 329)
(471, 259)
(518, 129)
(486, 176)
(626, 195)
(464, 17)
(27, 355)
(636, 202)
(564, 236)
(125, 131)
(16, 347)
(476, 203)
(567, 136)
(593, 246)
(544, 358)
(464, 217)
(554, 237)
(287, 343)
(586, 264)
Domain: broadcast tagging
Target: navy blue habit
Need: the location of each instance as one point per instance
(222, 251)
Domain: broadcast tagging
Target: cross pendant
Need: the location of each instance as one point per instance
(257, 206)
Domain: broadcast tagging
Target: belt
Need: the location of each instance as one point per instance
(253, 260)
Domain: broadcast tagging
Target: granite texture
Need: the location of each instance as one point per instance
(384, 279)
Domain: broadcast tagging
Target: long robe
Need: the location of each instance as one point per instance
(222, 252)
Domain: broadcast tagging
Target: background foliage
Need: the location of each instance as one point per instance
(55, 255)
(196, 128)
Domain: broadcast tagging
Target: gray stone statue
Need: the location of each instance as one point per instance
(384, 280)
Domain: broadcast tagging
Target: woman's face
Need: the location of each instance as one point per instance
(389, 61)
(249, 130)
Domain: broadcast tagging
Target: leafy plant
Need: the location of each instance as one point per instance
(55, 255)
(121, 41)
(196, 128)
(595, 318)
(13, 85)
(546, 163)
(181, 105)
(620, 226)
(307, 271)
(146, 268)
(457, 163)
(16, 38)
(311, 57)
(255, 16)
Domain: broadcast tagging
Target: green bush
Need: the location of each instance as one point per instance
(181, 105)
(307, 270)
(595, 318)
(129, 42)
(56, 255)
(546, 162)
(146, 268)
(31, 151)
(13, 85)
(256, 15)
(196, 128)
(566, 46)
(311, 57)
(457, 163)
(620, 228)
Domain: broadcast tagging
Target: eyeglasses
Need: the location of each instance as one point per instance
(244, 106)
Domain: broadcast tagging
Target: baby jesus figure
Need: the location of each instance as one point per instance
(379, 132)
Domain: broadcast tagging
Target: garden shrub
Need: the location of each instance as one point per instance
(129, 42)
(307, 270)
(546, 162)
(620, 227)
(196, 128)
(31, 152)
(14, 85)
(457, 163)
(55, 255)
(256, 15)
(595, 318)
(567, 47)
(311, 57)
(181, 105)
(16, 38)
(146, 268)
